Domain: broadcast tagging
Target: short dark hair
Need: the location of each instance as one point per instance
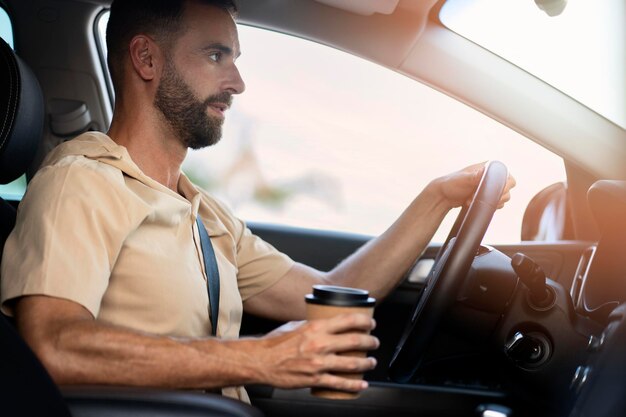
(159, 18)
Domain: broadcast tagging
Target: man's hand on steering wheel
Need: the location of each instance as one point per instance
(458, 187)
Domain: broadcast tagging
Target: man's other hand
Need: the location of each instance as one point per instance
(307, 354)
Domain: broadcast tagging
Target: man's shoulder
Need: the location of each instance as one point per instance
(75, 184)
(76, 169)
(82, 156)
(71, 179)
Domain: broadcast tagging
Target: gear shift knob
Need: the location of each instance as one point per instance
(533, 277)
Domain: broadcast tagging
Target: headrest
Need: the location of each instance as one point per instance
(21, 115)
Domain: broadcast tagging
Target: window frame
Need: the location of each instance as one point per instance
(102, 54)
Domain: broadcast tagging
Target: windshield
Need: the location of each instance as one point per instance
(581, 51)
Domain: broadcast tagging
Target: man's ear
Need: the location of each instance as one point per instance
(144, 56)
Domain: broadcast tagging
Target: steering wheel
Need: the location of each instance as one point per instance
(448, 273)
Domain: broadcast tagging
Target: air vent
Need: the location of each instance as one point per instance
(581, 274)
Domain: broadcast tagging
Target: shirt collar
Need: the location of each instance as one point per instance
(100, 147)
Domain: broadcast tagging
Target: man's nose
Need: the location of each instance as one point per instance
(235, 83)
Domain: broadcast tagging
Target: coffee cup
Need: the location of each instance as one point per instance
(328, 301)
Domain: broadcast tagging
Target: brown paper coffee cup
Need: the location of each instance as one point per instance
(329, 301)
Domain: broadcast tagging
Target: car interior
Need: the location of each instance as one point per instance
(531, 328)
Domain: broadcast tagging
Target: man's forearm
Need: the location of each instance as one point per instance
(380, 264)
(76, 349)
(90, 352)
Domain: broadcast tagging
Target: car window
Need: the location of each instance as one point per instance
(326, 140)
(6, 29)
(14, 190)
(322, 139)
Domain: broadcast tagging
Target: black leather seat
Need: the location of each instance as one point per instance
(22, 377)
(21, 123)
(26, 389)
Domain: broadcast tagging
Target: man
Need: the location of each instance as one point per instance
(104, 271)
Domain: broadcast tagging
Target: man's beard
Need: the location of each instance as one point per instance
(185, 113)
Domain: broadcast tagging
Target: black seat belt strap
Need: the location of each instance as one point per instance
(212, 274)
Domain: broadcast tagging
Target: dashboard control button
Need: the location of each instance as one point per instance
(595, 343)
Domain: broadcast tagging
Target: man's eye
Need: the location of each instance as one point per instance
(216, 56)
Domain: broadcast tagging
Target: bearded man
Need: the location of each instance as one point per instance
(110, 285)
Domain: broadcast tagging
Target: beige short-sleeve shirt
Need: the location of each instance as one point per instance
(92, 228)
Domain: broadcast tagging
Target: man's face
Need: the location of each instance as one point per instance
(186, 114)
(199, 76)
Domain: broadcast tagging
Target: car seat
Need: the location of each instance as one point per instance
(25, 386)
(548, 215)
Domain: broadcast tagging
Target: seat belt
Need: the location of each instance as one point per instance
(212, 274)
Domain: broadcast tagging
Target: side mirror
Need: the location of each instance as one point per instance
(548, 215)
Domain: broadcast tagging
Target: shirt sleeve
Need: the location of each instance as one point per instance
(70, 227)
(260, 264)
